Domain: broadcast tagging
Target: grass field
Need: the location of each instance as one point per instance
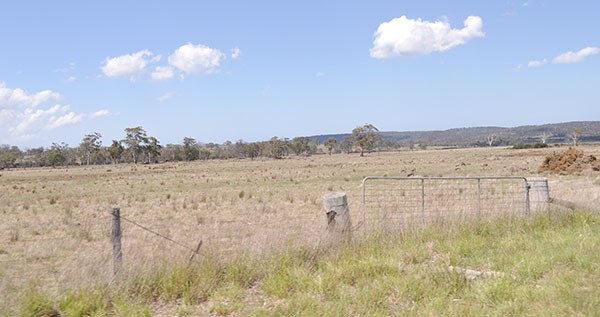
(260, 223)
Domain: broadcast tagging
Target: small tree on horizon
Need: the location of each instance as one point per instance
(115, 151)
(134, 140)
(90, 144)
(364, 137)
(190, 149)
(545, 136)
(300, 145)
(330, 144)
(575, 135)
(347, 144)
(491, 139)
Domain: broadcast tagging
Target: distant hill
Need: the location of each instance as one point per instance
(478, 136)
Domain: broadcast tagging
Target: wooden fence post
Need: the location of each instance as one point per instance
(194, 253)
(116, 239)
(338, 214)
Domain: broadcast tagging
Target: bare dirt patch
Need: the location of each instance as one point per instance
(571, 161)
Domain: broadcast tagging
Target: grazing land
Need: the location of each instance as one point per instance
(262, 224)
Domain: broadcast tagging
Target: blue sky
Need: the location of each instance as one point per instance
(229, 70)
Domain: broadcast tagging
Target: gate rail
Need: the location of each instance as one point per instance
(469, 194)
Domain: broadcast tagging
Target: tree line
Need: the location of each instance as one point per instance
(139, 147)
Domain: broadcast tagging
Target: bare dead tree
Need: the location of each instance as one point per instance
(575, 135)
(545, 136)
(491, 139)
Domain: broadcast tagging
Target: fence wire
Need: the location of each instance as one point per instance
(404, 202)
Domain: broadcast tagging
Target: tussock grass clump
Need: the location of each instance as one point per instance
(36, 303)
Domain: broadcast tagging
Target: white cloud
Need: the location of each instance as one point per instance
(320, 74)
(162, 73)
(196, 59)
(537, 63)
(403, 36)
(32, 119)
(71, 79)
(69, 118)
(23, 116)
(575, 57)
(567, 58)
(156, 58)
(100, 113)
(18, 97)
(126, 65)
(166, 96)
(235, 52)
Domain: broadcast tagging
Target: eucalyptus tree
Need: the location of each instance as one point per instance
(57, 154)
(115, 151)
(300, 145)
(331, 144)
(190, 149)
(152, 149)
(90, 144)
(9, 156)
(135, 139)
(364, 137)
(347, 144)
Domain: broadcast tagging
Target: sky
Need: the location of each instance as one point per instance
(252, 70)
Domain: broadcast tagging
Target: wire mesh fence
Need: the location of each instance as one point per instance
(404, 202)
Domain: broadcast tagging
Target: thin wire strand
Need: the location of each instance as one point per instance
(156, 233)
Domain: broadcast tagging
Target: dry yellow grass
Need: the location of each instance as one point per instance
(55, 232)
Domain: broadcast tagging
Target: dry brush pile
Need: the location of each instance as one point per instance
(571, 161)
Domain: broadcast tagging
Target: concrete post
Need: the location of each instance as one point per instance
(338, 214)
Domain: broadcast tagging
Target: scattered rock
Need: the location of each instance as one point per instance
(473, 274)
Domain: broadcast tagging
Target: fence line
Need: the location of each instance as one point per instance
(154, 232)
(256, 230)
(408, 201)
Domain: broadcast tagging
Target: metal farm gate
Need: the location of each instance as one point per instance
(409, 201)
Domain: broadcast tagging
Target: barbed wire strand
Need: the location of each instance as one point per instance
(155, 233)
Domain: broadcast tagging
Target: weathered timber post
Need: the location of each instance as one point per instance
(194, 253)
(116, 239)
(539, 196)
(338, 214)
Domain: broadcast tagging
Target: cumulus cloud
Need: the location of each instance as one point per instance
(576, 57)
(69, 118)
(196, 59)
(404, 36)
(100, 113)
(162, 73)
(24, 116)
(235, 52)
(34, 120)
(18, 97)
(537, 63)
(568, 57)
(127, 65)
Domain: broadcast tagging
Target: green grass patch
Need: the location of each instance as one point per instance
(543, 265)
